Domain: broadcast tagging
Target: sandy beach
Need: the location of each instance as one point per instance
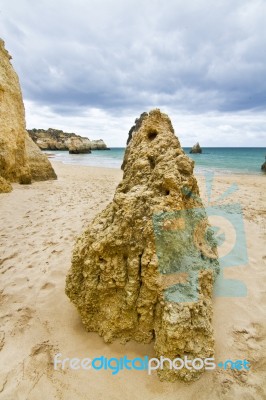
(39, 225)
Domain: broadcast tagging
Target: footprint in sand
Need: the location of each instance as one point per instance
(7, 269)
(32, 375)
(48, 285)
(250, 340)
(23, 322)
(8, 258)
(57, 252)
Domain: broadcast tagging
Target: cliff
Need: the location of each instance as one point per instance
(144, 268)
(14, 161)
(196, 149)
(55, 139)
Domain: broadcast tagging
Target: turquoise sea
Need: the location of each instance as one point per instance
(222, 160)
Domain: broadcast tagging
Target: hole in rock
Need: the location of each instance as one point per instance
(165, 191)
(152, 134)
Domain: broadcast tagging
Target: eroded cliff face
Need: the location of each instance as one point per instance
(128, 264)
(56, 139)
(14, 163)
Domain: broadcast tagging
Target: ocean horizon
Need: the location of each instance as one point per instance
(222, 160)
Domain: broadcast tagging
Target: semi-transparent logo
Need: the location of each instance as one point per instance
(186, 244)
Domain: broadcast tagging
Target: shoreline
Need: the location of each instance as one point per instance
(222, 161)
(40, 224)
(197, 174)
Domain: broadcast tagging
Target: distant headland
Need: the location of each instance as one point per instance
(55, 139)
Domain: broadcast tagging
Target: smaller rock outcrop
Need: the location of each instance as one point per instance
(98, 145)
(40, 167)
(196, 149)
(263, 167)
(77, 145)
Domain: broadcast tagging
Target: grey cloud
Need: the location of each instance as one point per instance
(119, 55)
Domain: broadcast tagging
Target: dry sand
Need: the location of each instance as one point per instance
(39, 224)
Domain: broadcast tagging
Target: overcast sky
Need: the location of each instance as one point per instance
(92, 66)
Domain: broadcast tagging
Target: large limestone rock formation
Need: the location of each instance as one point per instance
(196, 149)
(14, 163)
(127, 266)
